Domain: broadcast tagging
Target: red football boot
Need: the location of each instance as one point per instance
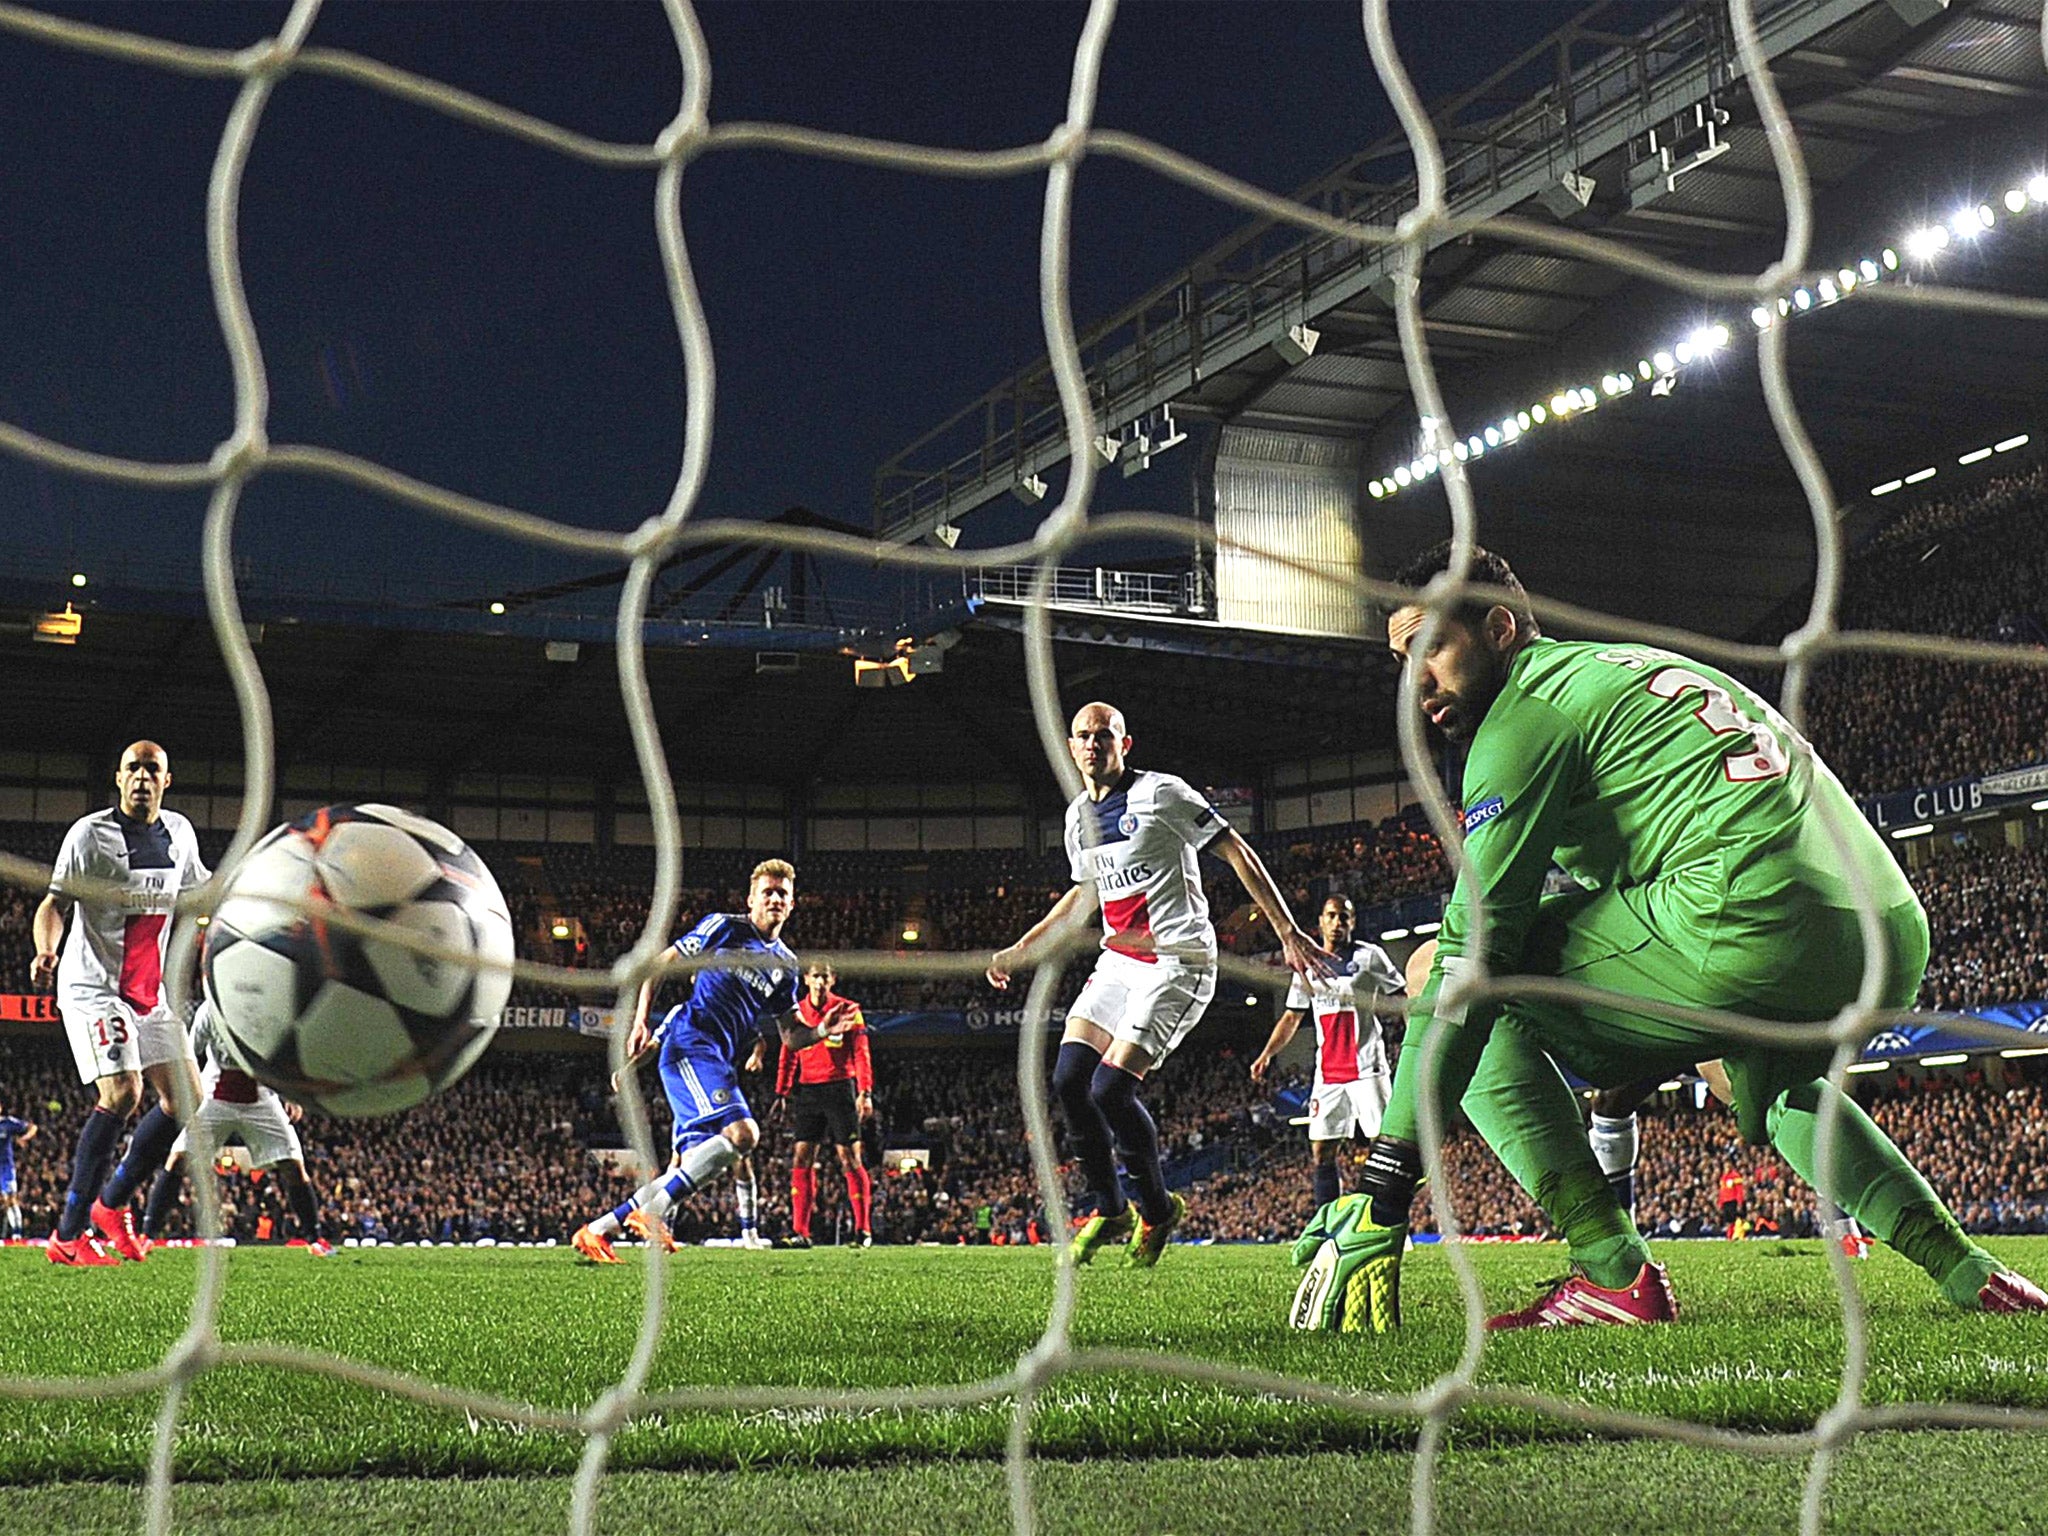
(82, 1252)
(2008, 1292)
(1577, 1302)
(117, 1231)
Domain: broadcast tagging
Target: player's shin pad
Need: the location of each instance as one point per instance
(1353, 1284)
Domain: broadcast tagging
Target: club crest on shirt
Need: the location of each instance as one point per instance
(1127, 823)
(721, 1095)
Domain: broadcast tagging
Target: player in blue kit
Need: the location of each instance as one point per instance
(14, 1132)
(701, 1044)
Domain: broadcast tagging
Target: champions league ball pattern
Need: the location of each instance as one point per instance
(339, 1021)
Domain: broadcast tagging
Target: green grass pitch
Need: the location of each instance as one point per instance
(1759, 1346)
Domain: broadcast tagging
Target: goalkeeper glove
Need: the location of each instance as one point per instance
(1353, 1284)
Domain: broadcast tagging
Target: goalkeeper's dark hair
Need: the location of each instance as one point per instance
(1486, 567)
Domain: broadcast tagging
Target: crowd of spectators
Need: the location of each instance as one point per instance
(1972, 566)
(526, 1149)
(509, 1153)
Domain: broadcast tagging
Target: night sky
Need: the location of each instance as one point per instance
(491, 317)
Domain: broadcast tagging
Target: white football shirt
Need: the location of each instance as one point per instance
(119, 947)
(1147, 832)
(1348, 1043)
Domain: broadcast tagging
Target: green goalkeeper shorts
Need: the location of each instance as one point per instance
(1770, 959)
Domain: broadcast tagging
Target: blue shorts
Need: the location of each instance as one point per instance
(703, 1095)
(6, 1181)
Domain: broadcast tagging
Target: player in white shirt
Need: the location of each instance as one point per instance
(1352, 1075)
(1132, 838)
(110, 993)
(234, 1106)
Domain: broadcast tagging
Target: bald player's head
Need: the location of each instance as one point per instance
(141, 778)
(1099, 743)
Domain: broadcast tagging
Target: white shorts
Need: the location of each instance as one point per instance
(109, 1037)
(1149, 1005)
(1339, 1111)
(266, 1130)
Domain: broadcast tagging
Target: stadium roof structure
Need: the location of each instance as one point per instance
(347, 690)
(1675, 504)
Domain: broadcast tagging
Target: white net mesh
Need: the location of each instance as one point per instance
(246, 453)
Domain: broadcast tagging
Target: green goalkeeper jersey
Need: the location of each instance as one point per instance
(1639, 771)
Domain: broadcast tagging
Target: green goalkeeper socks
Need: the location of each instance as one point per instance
(1604, 1242)
(1871, 1180)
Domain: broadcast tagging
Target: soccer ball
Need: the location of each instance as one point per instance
(338, 1021)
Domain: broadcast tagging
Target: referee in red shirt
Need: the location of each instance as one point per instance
(835, 1089)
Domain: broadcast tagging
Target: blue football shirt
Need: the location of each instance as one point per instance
(10, 1128)
(728, 1010)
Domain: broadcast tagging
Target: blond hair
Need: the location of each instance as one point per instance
(780, 869)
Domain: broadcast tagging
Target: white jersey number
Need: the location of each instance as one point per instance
(1763, 758)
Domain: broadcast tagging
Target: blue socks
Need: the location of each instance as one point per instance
(1326, 1185)
(96, 1142)
(1072, 1074)
(1115, 1093)
(147, 1149)
(163, 1199)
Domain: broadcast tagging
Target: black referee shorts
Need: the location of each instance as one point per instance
(825, 1112)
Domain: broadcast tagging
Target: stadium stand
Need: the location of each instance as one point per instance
(1971, 564)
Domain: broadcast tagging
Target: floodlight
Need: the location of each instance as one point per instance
(1137, 453)
(1493, 437)
(1030, 490)
(1828, 292)
(2010, 443)
(1538, 415)
(1522, 420)
(1297, 346)
(1760, 318)
(1887, 488)
(1891, 259)
(1801, 299)
(1846, 279)
(1378, 489)
(1106, 450)
(1403, 475)
(1868, 268)
(2037, 188)
(1919, 475)
(1922, 244)
(1665, 361)
(1976, 456)
(78, 578)
(496, 607)
(1567, 195)
(2016, 200)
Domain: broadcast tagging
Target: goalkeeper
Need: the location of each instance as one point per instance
(1686, 811)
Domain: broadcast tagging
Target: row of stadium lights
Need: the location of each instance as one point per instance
(1660, 369)
(1974, 456)
(1948, 1059)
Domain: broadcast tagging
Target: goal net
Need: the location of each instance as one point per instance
(247, 453)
